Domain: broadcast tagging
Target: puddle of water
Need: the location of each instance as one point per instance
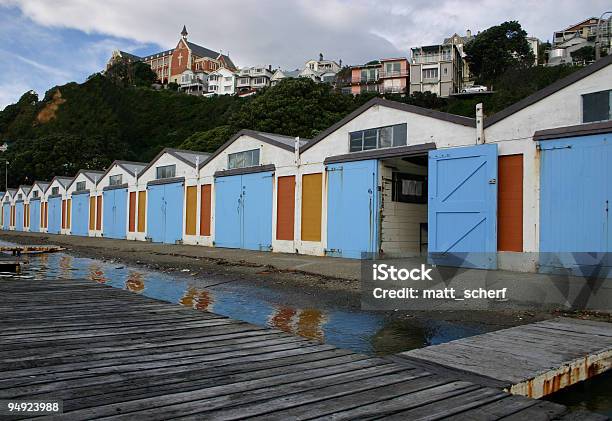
(369, 333)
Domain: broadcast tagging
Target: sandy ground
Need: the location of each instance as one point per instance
(333, 281)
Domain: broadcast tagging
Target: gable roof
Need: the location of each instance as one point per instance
(26, 189)
(9, 193)
(89, 174)
(42, 185)
(202, 51)
(426, 112)
(549, 90)
(278, 140)
(128, 166)
(188, 157)
(64, 182)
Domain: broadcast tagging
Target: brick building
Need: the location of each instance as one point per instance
(170, 64)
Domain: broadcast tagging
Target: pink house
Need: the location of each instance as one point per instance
(388, 75)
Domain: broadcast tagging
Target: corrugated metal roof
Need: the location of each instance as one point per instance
(192, 156)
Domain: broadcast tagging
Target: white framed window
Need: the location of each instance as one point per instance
(115, 180)
(243, 159)
(380, 137)
(35, 194)
(166, 171)
(430, 73)
(80, 186)
(54, 190)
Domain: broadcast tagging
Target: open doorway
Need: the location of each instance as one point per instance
(403, 216)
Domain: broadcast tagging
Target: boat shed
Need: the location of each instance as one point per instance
(82, 211)
(171, 181)
(111, 198)
(58, 207)
(247, 193)
(364, 181)
(555, 157)
(22, 213)
(8, 209)
(37, 207)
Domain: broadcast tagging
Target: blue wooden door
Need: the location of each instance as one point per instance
(155, 213)
(575, 196)
(19, 216)
(108, 213)
(80, 215)
(34, 215)
(114, 213)
(54, 214)
(6, 216)
(228, 211)
(257, 211)
(165, 212)
(173, 224)
(352, 209)
(462, 208)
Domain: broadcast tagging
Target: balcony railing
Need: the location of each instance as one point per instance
(397, 73)
(435, 58)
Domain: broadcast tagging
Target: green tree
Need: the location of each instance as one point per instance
(209, 140)
(492, 52)
(143, 74)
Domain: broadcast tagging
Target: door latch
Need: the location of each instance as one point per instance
(493, 181)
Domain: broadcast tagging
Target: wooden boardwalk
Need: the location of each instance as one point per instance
(109, 353)
(531, 360)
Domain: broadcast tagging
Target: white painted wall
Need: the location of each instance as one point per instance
(62, 192)
(37, 188)
(89, 185)
(400, 223)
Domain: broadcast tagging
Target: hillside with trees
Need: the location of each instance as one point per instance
(119, 115)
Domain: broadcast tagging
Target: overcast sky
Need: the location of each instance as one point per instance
(48, 42)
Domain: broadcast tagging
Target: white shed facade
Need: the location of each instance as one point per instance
(37, 206)
(82, 207)
(170, 181)
(22, 213)
(57, 212)
(113, 198)
(240, 204)
(8, 209)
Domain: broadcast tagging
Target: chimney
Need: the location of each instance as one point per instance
(340, 63)
(320, 56)
(480, 137)
(468, 33)
(269, 67)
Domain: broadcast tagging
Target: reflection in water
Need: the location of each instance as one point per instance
(199, 299)
(306, 322)
(96, 273)
(135, 282)
(65, 265)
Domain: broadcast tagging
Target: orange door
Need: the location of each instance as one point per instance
(285, 208)
(312, 191)
(99, 213)
(142, 209)
(68, 213)
(92, 213)
(510, 203)
(132, 219)
(191, 210)
(63, 214)
(205, 209)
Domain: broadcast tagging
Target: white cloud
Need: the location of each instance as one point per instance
(282, 33)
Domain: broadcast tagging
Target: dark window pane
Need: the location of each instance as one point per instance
(369, 139)
(386, 137)
(596, 106)
(399, 135)
(356, 141)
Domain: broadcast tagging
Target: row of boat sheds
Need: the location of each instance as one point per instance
(389, 180)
